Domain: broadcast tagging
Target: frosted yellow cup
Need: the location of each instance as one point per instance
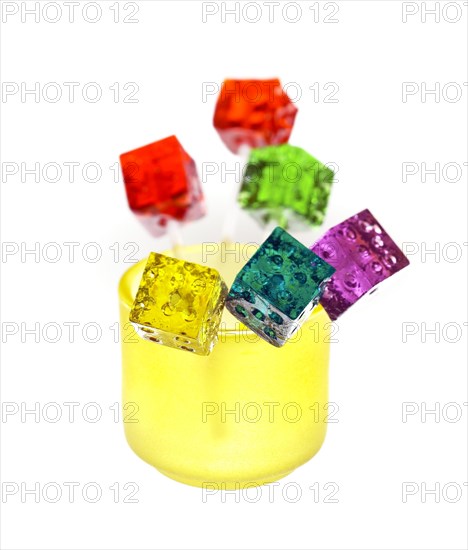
(247, 413)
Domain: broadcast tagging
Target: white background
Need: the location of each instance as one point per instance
(369, 53)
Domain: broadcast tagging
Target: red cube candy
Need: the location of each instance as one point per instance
(162, 183)
(254, 113)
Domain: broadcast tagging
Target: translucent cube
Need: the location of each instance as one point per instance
(179, 304)
(363, 254)
(162, 184)
(279, 286)
(286, 184)
(253, 113)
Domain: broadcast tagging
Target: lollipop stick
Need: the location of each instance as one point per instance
(283, 221)
(232, 209)
(175, 237)
(230, 223)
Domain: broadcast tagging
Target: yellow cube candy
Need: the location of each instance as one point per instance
(179, 304)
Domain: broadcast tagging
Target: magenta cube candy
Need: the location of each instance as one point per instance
(363, 255)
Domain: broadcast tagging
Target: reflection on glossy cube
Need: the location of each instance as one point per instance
(363, 254)
(279, 286)
(179, 304)
(286, 184)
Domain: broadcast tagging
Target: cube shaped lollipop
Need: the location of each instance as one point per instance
(363, 254)
(286, 184)
(254, 113)
(278, 287)
(179, 304)
(162, 184)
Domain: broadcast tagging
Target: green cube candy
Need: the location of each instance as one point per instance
(285, 184)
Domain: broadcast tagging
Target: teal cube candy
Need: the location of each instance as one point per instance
(279, 286)
(286, 184)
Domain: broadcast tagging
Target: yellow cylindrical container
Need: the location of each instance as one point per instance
(247, 413)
